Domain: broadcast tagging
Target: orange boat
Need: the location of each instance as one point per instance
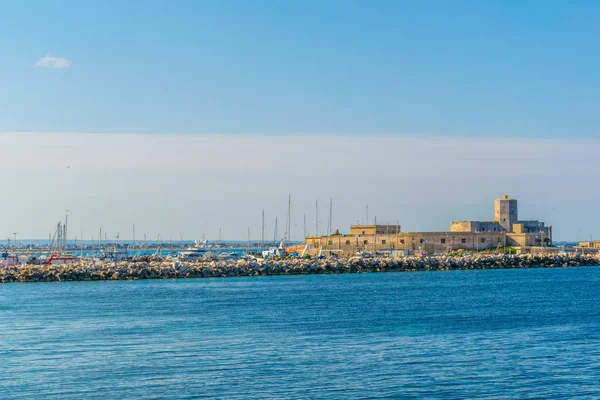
(299, 249)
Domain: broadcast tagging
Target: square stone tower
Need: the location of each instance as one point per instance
(505, 212)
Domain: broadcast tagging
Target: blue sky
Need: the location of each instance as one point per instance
(208, 112)
(504, 68)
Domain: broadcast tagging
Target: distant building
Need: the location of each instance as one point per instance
(504, 231)
(592, 244)
(374, 229)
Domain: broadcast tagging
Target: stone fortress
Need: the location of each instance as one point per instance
(506, 230)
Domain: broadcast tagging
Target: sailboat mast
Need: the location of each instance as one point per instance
(65, 237)
(288, 233)
(304, 225)
(317, 217)
(275, 232)
(58, 237)
(329, 223)
(262, 232)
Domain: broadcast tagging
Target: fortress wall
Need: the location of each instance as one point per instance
(431, 242)
(476, 226)
(461, 226)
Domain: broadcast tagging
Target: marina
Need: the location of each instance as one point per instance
(367, 248)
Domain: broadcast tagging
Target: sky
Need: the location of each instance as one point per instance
(192, 116)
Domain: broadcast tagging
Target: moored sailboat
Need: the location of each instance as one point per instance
(59, 254)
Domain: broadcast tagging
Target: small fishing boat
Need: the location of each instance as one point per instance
(61, 258)
(113, 255)
(278, 251)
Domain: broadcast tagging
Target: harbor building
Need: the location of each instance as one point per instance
(506, 230)
(593, 244)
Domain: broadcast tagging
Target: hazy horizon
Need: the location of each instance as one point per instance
(194, 185)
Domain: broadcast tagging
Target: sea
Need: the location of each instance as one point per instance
(493, 334)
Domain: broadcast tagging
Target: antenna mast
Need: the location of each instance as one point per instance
(288, 232)
(304, 225)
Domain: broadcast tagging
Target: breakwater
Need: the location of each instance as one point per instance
(126, 270)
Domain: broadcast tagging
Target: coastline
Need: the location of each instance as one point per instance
(126, 270)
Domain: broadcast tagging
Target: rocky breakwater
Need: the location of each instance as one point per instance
(96, 271)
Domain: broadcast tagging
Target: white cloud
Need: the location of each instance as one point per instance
(49, 61)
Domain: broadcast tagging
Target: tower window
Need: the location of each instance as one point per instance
(443, 241)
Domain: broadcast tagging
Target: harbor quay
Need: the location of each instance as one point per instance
(127, 270)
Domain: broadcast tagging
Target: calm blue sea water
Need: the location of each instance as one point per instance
(463, 334)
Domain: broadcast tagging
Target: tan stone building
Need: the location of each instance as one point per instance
(504, 231)
(592, 244)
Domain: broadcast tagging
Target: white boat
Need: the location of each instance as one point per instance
(228, 255)
(8, 260)
(278, 251)
(199, 244)
(250, 257)
(61, 258)
(193, 253)
(113, 255)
